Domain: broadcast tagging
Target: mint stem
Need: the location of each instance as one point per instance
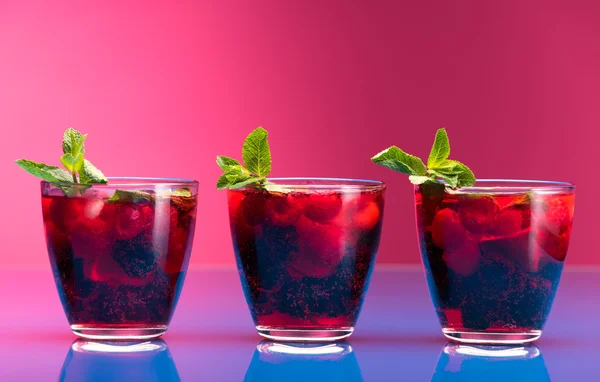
(75, 178)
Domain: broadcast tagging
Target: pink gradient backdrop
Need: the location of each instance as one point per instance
(163, 87)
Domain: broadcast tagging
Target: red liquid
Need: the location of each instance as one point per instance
(305, 257)
(493, 261)
(118, 264)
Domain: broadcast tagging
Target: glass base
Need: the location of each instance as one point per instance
(495, 352)
(305, 335)
(501, 338)
(118, 332)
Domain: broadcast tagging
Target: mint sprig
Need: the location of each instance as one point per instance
(453, 172)
(72, 159)
(257, 163)
(44, 171)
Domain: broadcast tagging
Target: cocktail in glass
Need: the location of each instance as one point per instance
(119, 252)
(305, 249)
(493, 255)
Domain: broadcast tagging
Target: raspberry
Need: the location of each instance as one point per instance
(322, 208)
(477, 214)
(463, 260)
(282, 210)
(446, 230)
(507, 222)
(130, 220)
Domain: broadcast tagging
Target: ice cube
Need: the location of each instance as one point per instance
(91, 238)
(520, 248)
(94, 193)
(367, 217)
(446, 230)
(323, 244)
(93, 208)
(106, 270)
(554, 213)
(56, 192)
(555, 246)
(301, 265)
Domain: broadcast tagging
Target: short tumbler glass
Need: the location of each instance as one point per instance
(493, 255)
(305, 250)
(119, 252)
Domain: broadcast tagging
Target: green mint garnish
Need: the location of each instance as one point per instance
(72, 159)
(135, 196)
(48, 173)
(73, 150)
(454, 173)
(257, 163)
(91, 174)
(181, 192)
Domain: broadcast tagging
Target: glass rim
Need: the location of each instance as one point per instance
(130, 181)
(515, 185)
(321, 183)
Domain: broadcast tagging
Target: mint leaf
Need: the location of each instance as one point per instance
(397, 160)
(453, 173)
(223, 182)
(236, 173)
(256, 153)
(45, 172)
(237, 176)
(181, 192)
(73, 142)
(72, 159)
(521, 201)
(72, 163)
(257, 161)
(420, 179)
(223, 161)
(462, 175)
(91, 174)
(122, 196)
(254, 179)
(465, 176)
(450, 179)
(440, 150)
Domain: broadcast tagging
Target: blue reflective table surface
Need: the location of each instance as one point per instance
(212, 338)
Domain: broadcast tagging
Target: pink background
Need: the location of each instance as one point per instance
(162, 88)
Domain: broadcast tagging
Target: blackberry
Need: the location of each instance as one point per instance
(137, 257)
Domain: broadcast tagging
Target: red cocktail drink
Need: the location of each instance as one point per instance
(119, 253)
(305, 250)
(493, 255)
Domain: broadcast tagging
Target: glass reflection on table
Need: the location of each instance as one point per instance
(276, 361)
(119, 361)
(467, 363)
